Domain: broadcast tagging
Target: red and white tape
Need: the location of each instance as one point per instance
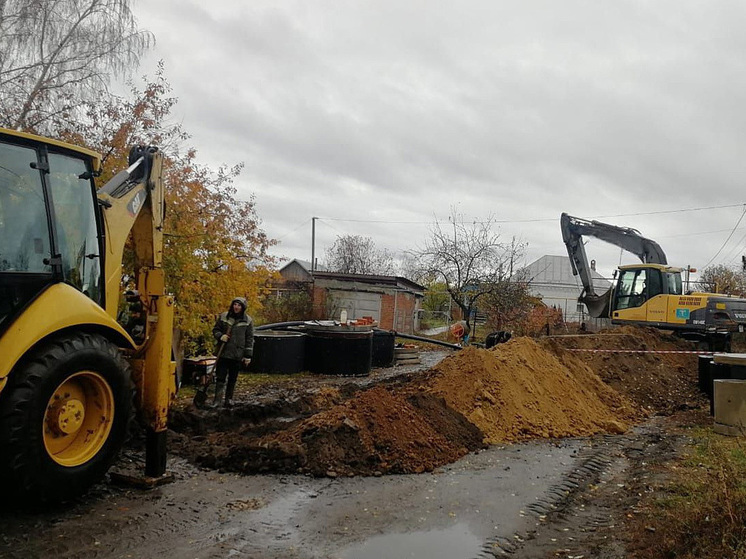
(642, 351)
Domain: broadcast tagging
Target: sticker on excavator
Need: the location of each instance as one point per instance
(682, 313)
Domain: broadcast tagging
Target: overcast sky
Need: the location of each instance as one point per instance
(380, 116)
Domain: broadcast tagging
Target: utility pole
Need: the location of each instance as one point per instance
(313, 243)
(512, 254)
(689, 270)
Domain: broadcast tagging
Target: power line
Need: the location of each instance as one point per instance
(729, 237)
(677, 211)
(681, 210)
(692, 234)
(294, 230)
(332, 226)
(738, 247)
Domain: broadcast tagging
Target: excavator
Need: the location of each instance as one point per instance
(650, 293)
(71, 376)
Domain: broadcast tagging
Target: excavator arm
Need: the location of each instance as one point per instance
(133, 202)
(573, 229)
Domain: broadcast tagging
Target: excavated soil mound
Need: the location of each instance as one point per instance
(375, 432)
(661, 383)
(518, 391)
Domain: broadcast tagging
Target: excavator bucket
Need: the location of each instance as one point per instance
(598, 305)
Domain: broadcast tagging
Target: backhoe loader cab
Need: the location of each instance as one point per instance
(70, 375)
(48, 223)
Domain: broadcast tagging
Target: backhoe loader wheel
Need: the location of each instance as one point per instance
(63, 418)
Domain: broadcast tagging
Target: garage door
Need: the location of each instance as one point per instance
(359, 304)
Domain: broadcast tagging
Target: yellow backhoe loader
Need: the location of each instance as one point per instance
(72, 376)
(650, 293)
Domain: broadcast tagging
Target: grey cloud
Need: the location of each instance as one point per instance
(519, 110)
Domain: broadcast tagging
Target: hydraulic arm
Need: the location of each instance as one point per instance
(573, 229)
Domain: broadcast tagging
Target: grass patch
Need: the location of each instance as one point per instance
(701, 513)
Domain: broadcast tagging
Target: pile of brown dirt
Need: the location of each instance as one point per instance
(660, 383)
(518, 391)
(376, 431)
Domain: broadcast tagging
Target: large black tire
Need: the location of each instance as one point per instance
(29, 471)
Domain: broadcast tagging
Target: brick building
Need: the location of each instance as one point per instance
(392, 301)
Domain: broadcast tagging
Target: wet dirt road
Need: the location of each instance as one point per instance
(528, 500)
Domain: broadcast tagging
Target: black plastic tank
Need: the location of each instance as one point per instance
(703, 373)
(332, 349)
(278, 352)
(383, 348)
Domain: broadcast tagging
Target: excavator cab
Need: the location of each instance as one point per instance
(49, 226)
(641, 292)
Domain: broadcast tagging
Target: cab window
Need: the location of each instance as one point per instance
(75, 224)
(631, 289)
(674, 284)
(25, 244)
(655, 283)
(24, 230)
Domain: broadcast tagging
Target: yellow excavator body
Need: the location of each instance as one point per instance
(59, 308)
(650, 293)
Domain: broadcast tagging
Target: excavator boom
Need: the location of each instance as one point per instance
(573, 229)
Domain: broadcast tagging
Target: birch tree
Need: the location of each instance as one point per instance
(57, 54)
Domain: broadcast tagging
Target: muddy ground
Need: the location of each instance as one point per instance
(408, 462)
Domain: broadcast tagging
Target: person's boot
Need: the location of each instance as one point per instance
(219, 391)
(229, 394)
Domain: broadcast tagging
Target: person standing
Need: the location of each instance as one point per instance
(234, 331)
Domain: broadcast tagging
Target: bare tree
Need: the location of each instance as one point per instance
(722, 279)
(57, 54)
(353, 254)
(469, 258)
(510, 303)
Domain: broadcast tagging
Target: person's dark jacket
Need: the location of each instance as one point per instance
(241, 342)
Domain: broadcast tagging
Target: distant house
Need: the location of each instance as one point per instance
(297, 271)
(392, 301)
(550, 278)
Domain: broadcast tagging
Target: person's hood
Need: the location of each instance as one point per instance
(241, 301)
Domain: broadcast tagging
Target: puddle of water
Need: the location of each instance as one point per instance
(456, 542)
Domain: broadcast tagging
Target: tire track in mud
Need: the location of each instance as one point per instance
(560, 511)
(583, 516)
(114, 521)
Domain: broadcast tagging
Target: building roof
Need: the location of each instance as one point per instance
(556, 270)
(360, 280)
(368, 279)
(305, 264)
